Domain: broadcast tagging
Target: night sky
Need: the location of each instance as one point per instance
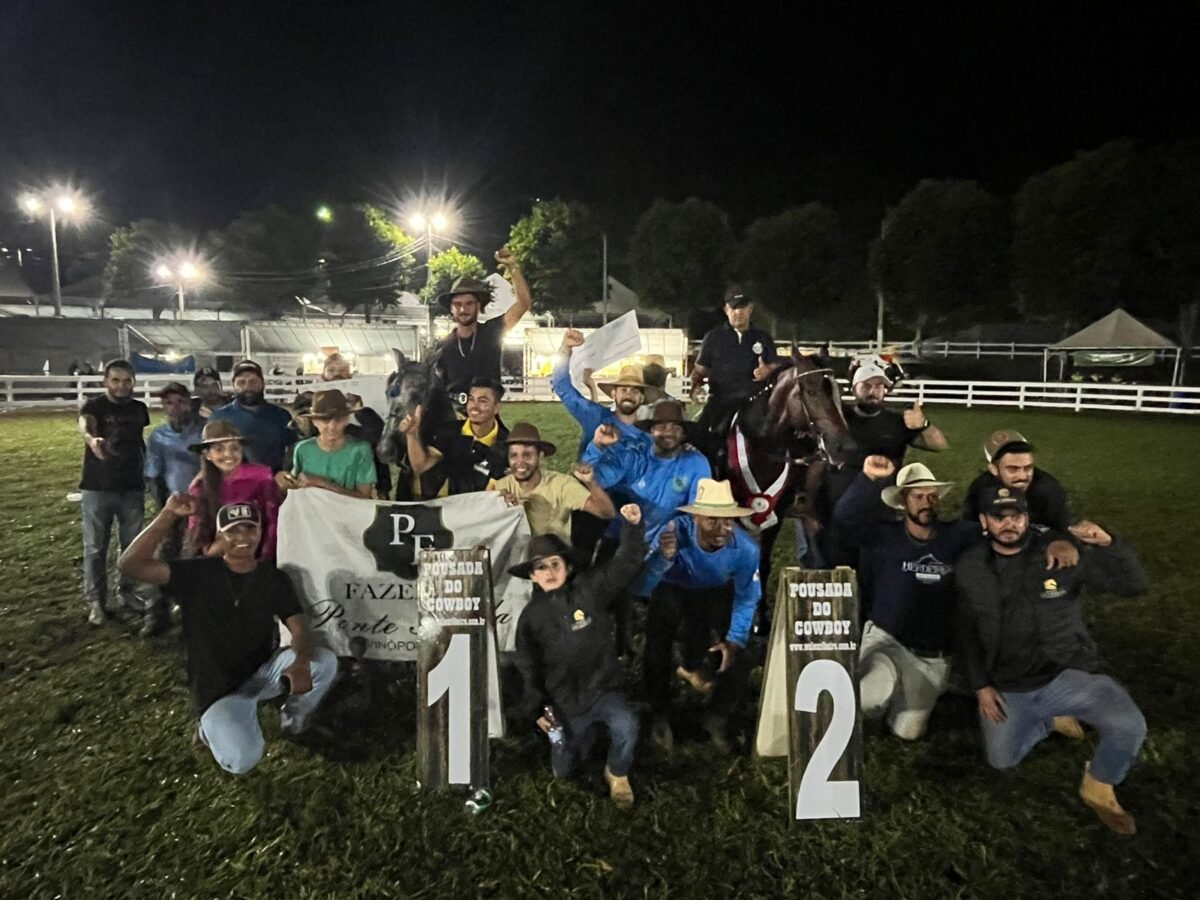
(194, 112)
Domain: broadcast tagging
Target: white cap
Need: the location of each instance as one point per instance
(862, 373)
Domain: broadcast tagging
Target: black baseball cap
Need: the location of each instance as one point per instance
(248, 365)
(232, 514)
(997, 500)
(736, 298)
(174, 387)
(205, 372)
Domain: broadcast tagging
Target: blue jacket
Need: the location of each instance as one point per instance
(591, 415)
(659, 485)
(695, 567)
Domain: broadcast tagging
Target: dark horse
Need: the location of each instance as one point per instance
(794, 421)
(413, 384)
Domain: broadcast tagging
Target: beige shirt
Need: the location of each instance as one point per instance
(549, 505)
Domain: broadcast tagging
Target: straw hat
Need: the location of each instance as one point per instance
(914, 475)
(631, 376)
(715, 498)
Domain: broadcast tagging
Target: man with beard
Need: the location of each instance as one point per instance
(210, 393)
(703, 574)
(1010, 464)
(264, 426)
(736, 359)
(112, 483)
(467, 459)
(548, 497)
(170, 469)
(906, 575)
(1027, 652)
(874, 431)
(473, 350)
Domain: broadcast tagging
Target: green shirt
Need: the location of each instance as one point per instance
(349, 466)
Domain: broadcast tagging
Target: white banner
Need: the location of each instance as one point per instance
(354, 563)
(619, 339)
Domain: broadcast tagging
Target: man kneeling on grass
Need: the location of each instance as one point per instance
(567, 655)
(229, 604)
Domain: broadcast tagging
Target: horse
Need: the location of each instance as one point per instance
(414, 383)
(794, 420)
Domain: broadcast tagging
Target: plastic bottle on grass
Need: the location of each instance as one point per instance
(480, 799)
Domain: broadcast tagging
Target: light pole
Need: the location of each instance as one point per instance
(55, 201)
(179, 272)
(418, 221)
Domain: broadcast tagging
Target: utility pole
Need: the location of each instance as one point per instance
(604, 273)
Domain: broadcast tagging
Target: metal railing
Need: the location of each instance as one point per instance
(66, 392)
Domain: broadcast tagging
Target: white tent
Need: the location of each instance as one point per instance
(1117, 333)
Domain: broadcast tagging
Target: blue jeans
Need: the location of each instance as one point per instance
(611, 710)
(1095, 699)
(98, 510)
(230, 729)
(808, 553)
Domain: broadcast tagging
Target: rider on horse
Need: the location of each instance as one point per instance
(738, 362)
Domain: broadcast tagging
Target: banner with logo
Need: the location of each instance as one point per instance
(354, 563)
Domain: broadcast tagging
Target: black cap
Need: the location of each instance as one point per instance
(248, 365)
(174, 387)
(997, 500)
(205, 372)
(736, 298)
(232, 514)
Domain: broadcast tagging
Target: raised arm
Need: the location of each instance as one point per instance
(1109, 564)
(598, 502)
(930, 437)
(520, 287)
(609, 580)
(853, 510)
(138, 561)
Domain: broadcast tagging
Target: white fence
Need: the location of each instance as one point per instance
(39, 391)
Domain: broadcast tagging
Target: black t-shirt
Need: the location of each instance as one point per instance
(120, 424)
(463, 360)
(883, 434)
(228, 622)
(466, 463)
(1046, 496)
(731, 359)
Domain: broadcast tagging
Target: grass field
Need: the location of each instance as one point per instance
(101, 796)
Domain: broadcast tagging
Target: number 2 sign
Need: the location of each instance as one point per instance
(809, 705)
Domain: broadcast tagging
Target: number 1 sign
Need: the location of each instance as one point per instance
(809, 684)
(457, 640)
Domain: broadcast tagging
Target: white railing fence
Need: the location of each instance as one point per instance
(65, 392)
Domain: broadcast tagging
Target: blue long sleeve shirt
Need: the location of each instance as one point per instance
(909, 584)
(591, 415)
(168, 457)
(695, 567)
(658, 484)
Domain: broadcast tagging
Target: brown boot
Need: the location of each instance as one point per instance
(1068, 726)
(619, 788)
(697, 680)
(1101, 798)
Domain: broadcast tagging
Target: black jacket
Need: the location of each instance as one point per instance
(565, 645)
(1032, 613)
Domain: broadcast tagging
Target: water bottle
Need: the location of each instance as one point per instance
(479, 800)
(556, 733)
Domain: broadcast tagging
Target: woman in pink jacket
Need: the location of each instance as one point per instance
(225, 478)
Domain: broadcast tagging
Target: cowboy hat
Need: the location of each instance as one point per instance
(631, 376)
(217, 432)
(914, 475)
(526, 433)
(542, 547)
(481, 290)
(666, 412)
(715, 498)
(330, 404)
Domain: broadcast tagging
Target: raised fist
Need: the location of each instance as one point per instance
(181, 505)
(584, 473)
(505, 258)
(668, 544)
(573, 338)
(631, 513)
(606, 436)
(878, 467)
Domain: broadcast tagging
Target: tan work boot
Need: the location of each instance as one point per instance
(1068, 726)
(619, 788)
(1101, 798)
(696, 680)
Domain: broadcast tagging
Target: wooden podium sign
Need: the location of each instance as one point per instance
(809, 706)
(457, 683)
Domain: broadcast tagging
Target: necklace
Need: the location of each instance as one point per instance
(474, 335)
(239, 590)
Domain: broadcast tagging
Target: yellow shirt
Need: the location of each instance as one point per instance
(549, 505)
(487, 440)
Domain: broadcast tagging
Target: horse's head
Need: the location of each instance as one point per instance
(806, 402)
(413, 384)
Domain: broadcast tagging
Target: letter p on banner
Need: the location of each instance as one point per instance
(809, 706)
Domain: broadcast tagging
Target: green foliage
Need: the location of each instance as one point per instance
(680, 254)
(1073, 228)
(369, 260)
(132, 252)
(559, 248)
(448, 266)
(102, 797)
(266, 258)
(793, 263)
(941, 258)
